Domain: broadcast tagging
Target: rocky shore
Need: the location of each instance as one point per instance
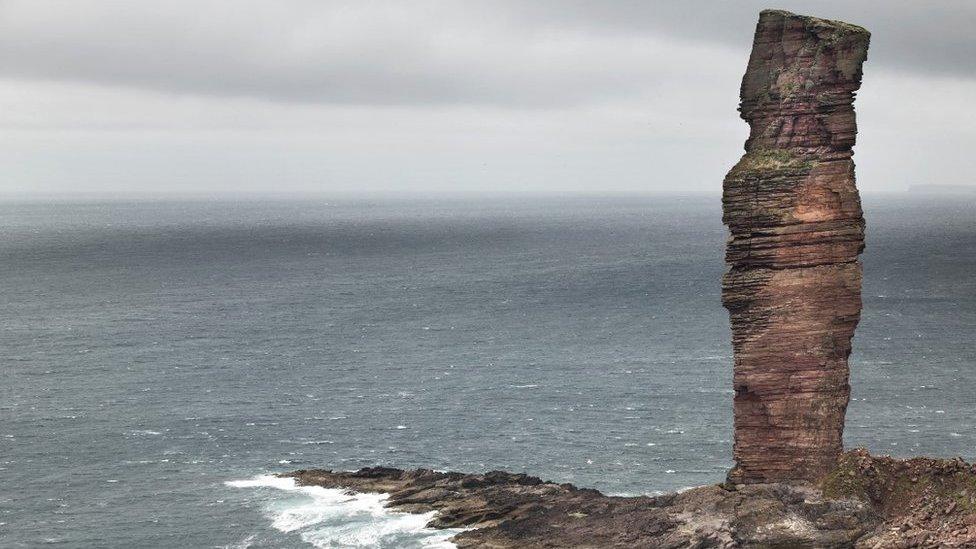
(865, 502)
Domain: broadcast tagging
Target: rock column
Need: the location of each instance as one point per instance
(793, 288)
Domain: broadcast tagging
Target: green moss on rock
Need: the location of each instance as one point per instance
(768, 161)
(895, 485)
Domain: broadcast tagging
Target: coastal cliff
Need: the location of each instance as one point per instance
(793, 289)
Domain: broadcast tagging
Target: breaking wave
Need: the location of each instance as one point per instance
(331, 518)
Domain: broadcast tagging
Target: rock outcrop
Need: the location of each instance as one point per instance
(793, 289)
(864, 503)
(507, 511)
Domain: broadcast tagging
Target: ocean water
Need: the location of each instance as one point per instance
(161, 360)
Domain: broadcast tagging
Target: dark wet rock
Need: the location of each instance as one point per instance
(508, 511)
(865, 502)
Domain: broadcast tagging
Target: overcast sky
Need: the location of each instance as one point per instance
(216, 97)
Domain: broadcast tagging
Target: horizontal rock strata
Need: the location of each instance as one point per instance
(793, 289)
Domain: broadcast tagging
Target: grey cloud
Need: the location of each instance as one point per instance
(361, 53)
(508, 53)
(926, 37)
(404, 96)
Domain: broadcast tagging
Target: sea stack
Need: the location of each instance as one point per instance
(793, 288)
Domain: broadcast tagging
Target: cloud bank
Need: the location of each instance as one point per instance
(569, 95)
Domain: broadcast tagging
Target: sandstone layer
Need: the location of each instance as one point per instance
(793, 289)
(863, 503)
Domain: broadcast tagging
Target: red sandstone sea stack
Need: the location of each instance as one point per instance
(793, 289)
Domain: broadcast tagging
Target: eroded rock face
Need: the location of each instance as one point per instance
(793, 289)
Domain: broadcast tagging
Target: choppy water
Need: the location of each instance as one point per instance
(158, 358)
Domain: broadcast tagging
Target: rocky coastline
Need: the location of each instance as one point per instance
(865, 502)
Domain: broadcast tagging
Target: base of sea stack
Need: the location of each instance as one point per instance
(866, 502)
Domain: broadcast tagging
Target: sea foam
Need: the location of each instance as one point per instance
(331, 518)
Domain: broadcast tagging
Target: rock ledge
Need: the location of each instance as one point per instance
(865, 502)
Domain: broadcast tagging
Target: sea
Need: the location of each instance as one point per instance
(161, 360)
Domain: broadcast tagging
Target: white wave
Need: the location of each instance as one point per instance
(331, 518)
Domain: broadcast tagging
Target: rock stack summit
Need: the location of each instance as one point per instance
(793, 289)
